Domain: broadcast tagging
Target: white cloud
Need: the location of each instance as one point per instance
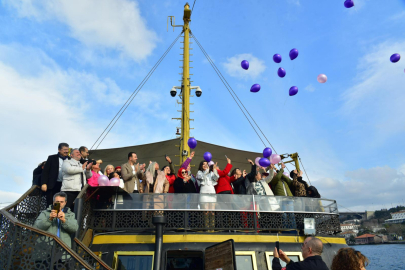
(8, 198)
(365, 188)
(233, 68)
(377, 94)
(294, 2)
(310, 88)
(100, 24)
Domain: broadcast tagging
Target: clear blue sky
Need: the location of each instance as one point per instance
(66, 67)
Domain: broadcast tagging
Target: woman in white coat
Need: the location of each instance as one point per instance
(207, 177)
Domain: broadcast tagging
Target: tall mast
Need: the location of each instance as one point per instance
(185, 87)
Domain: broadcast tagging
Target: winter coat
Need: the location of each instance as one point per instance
(183, 187)
(240, 185)
(67, 229)
(207, 180)
(36, 176)
(93, 180)
(171, 177)
(224, 181)
(161, 185)
(50, 173)
(265, 183)
(310, 263)
(299, 186)
(130, 178)
(280, 184)
(74, 177)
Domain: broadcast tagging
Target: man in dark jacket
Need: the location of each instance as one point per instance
(311, 251)
(51, 179)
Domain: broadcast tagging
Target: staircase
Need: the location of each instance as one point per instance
(25, 247)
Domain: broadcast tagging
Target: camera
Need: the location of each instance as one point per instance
(198, 92)
(185, 153)
(173, 92)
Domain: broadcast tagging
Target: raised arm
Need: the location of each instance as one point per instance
(187, 161)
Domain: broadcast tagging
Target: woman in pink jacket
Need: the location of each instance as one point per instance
(95, 169)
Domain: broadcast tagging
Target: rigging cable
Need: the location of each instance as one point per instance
(193, 7)
(304, 170)
(215, 67)
(134, 93)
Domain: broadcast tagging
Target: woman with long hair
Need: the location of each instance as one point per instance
(95, 169)
(156, 181)
(108, 169)
(207, 177)
(349, 259)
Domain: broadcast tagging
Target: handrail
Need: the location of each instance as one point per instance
(91, 253)
(7, 208)
(54, 237)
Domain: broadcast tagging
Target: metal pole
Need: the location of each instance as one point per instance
(185, 87)
(159, 221)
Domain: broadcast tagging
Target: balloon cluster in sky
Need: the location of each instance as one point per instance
(268, 158)
(281, 71)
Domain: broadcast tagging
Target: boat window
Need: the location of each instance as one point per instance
(294, 256)
(184, 259)
(133, 260)
(246, 260)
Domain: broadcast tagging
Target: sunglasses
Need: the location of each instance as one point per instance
(183, 172)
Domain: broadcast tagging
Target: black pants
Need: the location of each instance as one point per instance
(225, 192)
(71, 196)
(49, 193)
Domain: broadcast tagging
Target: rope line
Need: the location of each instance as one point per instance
(133, 95)
(193, 7)
(304, 170)
(215, 67)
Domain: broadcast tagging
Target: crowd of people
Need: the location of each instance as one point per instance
(69, 172)
(64, 175)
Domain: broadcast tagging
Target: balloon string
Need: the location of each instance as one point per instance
(285, 100)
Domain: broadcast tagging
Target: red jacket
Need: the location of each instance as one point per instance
(224, 181)
(171, 178)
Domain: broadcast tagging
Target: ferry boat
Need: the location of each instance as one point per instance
(120, 230)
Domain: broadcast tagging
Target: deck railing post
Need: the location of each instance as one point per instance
(159, 221)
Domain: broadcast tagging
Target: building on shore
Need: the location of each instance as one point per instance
(371, 239)
(350, 227)
(397, 217)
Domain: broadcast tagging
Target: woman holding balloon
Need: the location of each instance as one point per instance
(207, 177)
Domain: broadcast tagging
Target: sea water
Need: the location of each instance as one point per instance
(384, 256)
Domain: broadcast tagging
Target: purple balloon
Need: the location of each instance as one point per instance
(395, 57)
(103, 180)
(281, 72)
(267, 152)
(245, 64)
(255, 88)
(207, 156)
(114, 182)
(264, 162)
(277, 58)
(192, 143)
(274, 159)
(293, 90)
(257, 161)
(293, 54)
(349, 3)
(286, 174)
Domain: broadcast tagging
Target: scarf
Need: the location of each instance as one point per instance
(62, 157)
(179, 173)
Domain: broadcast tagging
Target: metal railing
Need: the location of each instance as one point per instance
(200, 212)
(25, 247)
